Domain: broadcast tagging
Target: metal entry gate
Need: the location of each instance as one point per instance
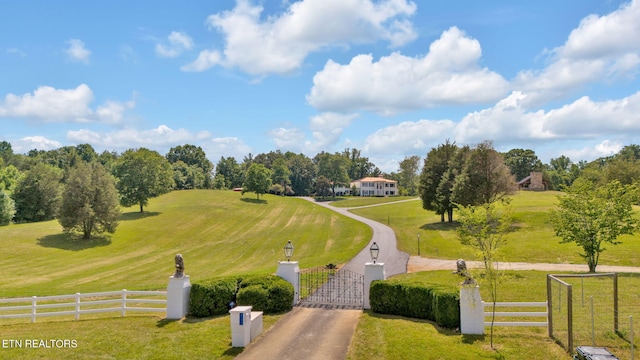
(330, 286)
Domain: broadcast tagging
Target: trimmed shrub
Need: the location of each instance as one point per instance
(422, 301)
(212, 297)
(268, 293)
(254, 295)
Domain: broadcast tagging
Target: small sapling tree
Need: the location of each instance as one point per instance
(484, 228)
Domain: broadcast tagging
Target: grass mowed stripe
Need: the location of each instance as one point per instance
(533, 241)
(218, 232)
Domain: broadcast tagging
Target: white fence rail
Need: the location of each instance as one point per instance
(502, 314)
(89, 303)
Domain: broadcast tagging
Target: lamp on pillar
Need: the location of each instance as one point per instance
(374, 250)
(288, 250)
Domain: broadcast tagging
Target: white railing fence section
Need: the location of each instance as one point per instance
(488, 313)
(88, 303)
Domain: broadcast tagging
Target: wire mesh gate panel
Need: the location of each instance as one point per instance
(330, 286)
(583, 309)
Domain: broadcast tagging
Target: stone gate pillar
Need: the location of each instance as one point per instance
(471, 311)
(290, 271)
(372, 271)
(178, 297)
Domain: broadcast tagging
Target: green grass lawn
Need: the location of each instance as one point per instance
(533, 241)
(355, 201)
(392, 337)
(218, 233)
(222, 233)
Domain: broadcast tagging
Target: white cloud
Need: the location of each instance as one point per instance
(510, 121)
(408, 137)
(509, 124)
(77, 51)
(586, 117)
(326, 130)
(205, 60)
(280, 43)
(611, 35)
(448, 74)
(27, 143)
(592, 152)
(289, 139)
(227, 147)
(178, 42)
(162, 136)
(48, 104)
(600, 48)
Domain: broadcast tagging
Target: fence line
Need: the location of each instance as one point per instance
(516, 313)
(124, 297)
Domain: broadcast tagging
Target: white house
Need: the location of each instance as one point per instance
(375, 186)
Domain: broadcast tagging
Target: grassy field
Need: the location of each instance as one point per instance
(355, 201)
(391, 337)
(218, 233)
(534, 240)
(221, 233)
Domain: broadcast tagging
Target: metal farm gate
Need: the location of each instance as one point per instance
(329, 286)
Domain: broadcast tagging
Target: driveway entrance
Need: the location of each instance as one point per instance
(329, 286)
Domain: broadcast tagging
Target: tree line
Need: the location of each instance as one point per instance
(32, 185)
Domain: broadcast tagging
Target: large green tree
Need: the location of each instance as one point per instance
(408, 175)
(303, 172)
(142, 174)
(187, 176)
(281, 175)
(89, 201)
(257, 180)
(333, 167)
(37, 194)
(229, 172)
(358, 166)
(9, 177)
(435, 174)
(592, 216)
(522, 162)
(484, 179)
(194, 157)
(7, 207)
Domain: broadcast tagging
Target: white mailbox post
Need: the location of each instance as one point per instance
(240, 326)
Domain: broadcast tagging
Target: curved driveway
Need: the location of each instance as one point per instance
(319, 333)
(395, 261)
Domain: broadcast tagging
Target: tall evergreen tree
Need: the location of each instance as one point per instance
(434, 185)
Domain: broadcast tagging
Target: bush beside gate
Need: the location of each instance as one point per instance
(267, 293)
(437, 303)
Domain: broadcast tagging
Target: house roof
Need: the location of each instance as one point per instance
(524, 180)
(374, 179)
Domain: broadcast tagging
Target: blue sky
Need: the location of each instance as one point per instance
(392, 78)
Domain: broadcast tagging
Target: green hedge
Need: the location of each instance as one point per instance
(267, 293)
(212, 297)
(437, 303)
